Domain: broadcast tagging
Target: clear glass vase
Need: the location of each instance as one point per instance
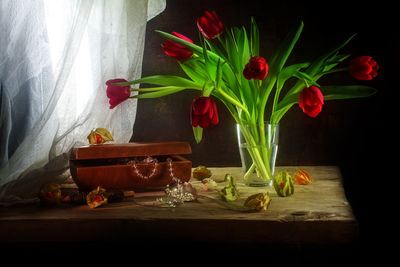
(258, 147)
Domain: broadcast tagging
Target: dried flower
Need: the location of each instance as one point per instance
(99, 136)
(259, 201)
(229, 192)
(97, 197)
(283, 184)
(201, 172)
(50, 193)
(302, 177)
(209, 184)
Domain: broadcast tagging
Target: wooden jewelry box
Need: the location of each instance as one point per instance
(129, 166)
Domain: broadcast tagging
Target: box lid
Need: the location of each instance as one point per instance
(105, 151)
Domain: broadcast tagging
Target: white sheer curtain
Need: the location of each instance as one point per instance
(55, 57)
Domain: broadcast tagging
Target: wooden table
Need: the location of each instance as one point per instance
(316, 214)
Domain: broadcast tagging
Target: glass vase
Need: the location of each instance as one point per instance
(258, 147)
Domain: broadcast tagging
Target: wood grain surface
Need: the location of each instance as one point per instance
(316, 214)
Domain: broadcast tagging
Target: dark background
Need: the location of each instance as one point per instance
(353, 134)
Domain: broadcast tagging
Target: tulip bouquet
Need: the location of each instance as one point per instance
(227, 66)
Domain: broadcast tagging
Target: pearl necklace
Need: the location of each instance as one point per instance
(133, 164)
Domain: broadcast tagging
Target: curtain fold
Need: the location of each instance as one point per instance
(55, 57)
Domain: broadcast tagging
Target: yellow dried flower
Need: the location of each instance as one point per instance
(50, 193)
(209, 184)
(97, 197)
(229, 192)
(283, 184)
(99, 136)
(201, 172)
(259, 201)
(302, 177)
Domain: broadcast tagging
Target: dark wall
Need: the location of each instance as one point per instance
(346, 133)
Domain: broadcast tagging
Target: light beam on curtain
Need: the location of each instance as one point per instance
(55, 57)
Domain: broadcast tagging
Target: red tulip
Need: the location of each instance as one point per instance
(311, 101)
(363, 68)
(210, 25)
(177, 51)
(117, 94)
(257, 68)
(203, 112)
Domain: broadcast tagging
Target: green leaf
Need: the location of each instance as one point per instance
(232, 50)
(198, 133)
(243, 48)
(215, 49)
(333, 92)
(289, 72)
(165, 80)
(317, 65)
(153, 89)
(254, 38)
(278, 114)
(279, 58)
(167, 91)
(276, 64)
(247, 94)
(306, 78)
(333, 61)
(195, 71)
(210, 66)
(288, 101)
(230, 79)
(218, 77)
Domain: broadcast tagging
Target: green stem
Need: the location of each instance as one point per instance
(234, 101)
(226, 204)
(222, 42)
(257, 152)
(250, 171)
(334, 70)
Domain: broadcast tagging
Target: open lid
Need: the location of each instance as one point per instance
(105, 151)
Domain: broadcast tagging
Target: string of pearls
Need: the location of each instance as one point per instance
(171, 170)
(133, 163)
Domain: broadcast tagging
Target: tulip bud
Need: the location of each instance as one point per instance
(203, 112)
(363, 68)
(302, 177)
(283, 184)
(177, 51)
(259, 201)
(117, 94)
(311, 101)
(257, 68)
(210, 25)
